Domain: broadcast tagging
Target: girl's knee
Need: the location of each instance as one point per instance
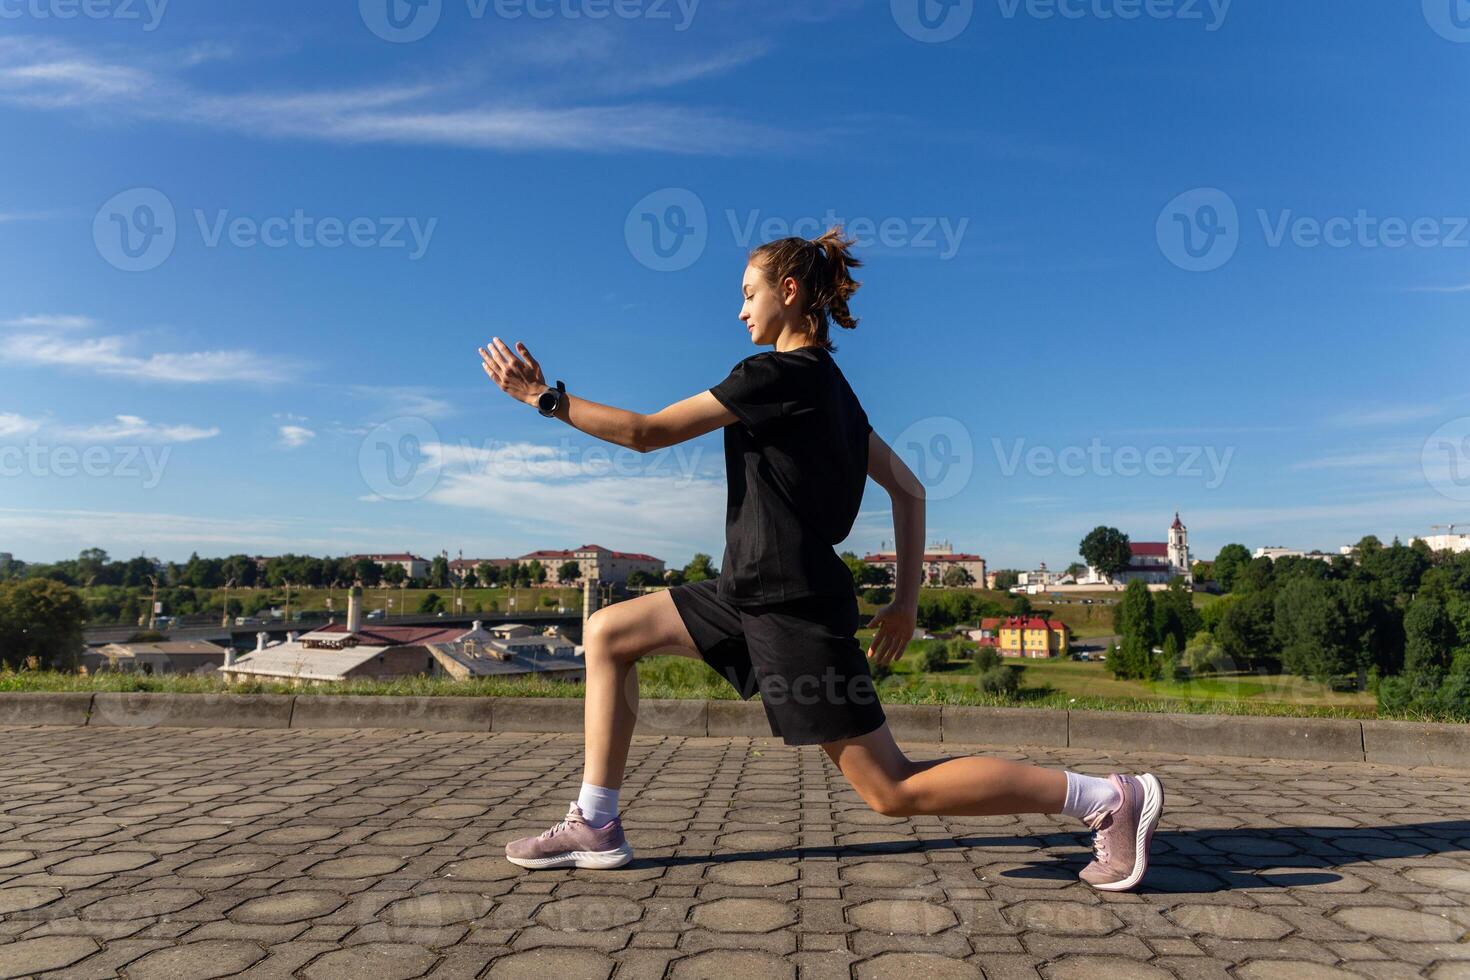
(890, 798)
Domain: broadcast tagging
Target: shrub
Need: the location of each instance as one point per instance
(986, 659)
(878, 597)
(934, 657)
(1000, 681)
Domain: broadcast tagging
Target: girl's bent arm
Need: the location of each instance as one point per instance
(907, 494)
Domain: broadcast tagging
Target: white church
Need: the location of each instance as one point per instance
(1154, 562)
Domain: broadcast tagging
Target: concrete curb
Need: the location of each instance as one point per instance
(431, 714)
(45, 708)
(1319, 739)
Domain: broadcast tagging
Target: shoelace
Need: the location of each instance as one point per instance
(560, 825)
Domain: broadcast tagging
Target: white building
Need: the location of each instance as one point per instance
(594, 564)
(1274, 553)
(1153, 562)
(1452, 541)
(412, 565)
(937, 560)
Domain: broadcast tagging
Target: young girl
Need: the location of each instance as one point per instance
(782, 616)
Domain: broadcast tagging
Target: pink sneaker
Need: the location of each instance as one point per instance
(1122, 836)
(573, 843)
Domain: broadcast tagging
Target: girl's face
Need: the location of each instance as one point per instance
(766, 311)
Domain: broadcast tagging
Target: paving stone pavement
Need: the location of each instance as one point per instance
(171, 853)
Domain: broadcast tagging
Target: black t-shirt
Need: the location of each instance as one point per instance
(797, 463)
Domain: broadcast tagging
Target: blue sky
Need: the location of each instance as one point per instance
(1031, 306)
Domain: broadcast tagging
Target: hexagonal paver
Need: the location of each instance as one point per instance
(198, 961)
(436, 909)
(1295, 969)
(902, 916)
(563, 964)
(1228, 922)
(32, 956)
(753, 873)
(589, 913)
(22, 898)
(888, 874)
(725, 964)
(229, 866)
(917, 966)
(1063, 918)
(142, 904)
(743, 915)
(1093, 967)
(380, 961)
(361, 866)
(108, 862)
(286, 907)
(1445, 879)
(1401, 924)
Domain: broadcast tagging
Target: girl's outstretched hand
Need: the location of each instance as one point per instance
(521, 380)
(895, 622)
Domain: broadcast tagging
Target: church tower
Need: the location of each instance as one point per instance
(1179, 549)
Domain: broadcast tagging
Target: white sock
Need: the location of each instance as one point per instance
(1087, 795)
(599, 804)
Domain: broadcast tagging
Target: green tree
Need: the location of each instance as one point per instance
(1229, 563)
(1135, 622)
(43, 619)
(1007, 578)
(1108, 550)
(700, 568)
(432, 603)
(570, 571)
(1245, 631)
(934, 657)
(439, 572)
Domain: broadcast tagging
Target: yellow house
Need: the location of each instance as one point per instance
(1034, 637)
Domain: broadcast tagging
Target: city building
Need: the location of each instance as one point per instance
(937, 560)
(1274, 553)
(412, 565)
(352, 651)
(594, 563)
(1154, 562)
(1449, 541)
(167, 657)
(1024, 636)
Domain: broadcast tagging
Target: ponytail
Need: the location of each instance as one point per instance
(822, 268)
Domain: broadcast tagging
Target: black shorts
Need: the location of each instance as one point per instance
(802, 656)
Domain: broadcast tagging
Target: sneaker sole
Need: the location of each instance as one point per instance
(595, 860)
(1148, 821)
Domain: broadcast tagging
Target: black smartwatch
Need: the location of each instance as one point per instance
(550, 399)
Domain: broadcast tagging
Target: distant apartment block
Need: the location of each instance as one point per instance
(1274, 553)
(1024, 636)
(412, 565)
(937, 560)
(1457, 541)
(594, 563)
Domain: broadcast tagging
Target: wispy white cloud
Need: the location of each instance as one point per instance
(52, 76)
(295, 436)
(665, 499)
(51, 321)
(110, 355)
(1385, 415)
(1465, 288)
(12, 424)
(133, 429)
